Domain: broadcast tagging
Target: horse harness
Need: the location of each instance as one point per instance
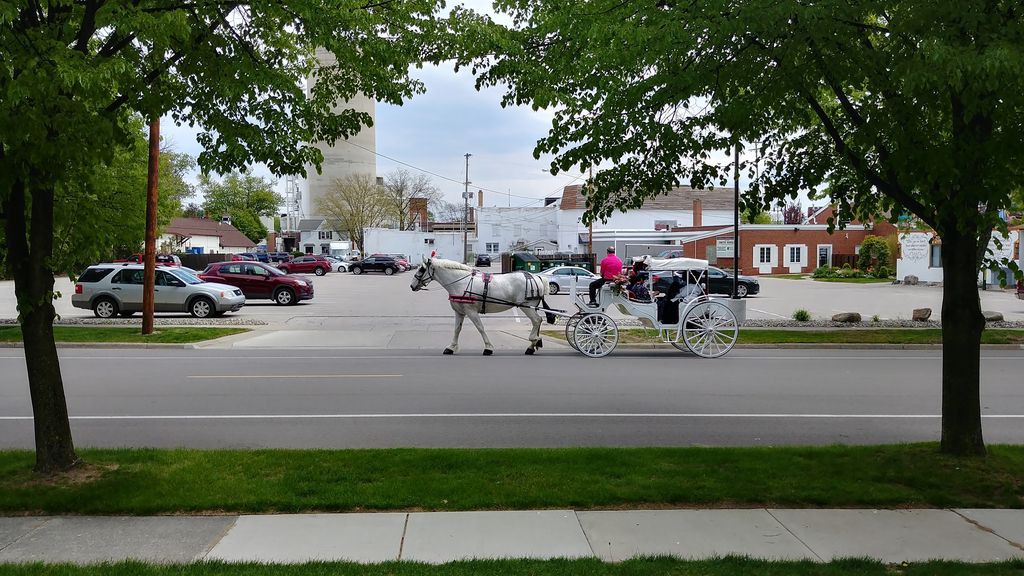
(468, 296)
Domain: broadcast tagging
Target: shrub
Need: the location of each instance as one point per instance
(875, 318)
(825, 272)
(801, 315)
(846, 266)
(873, 249)
(882, 272)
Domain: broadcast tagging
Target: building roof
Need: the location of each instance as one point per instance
(678, 198)
(310, 224)
(229, 236)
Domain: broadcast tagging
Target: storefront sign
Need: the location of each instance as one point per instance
(725, 248)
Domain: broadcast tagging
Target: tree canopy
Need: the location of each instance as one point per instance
(353, 204)
(243, 197)
(400, 188)
(75, 76)
(898, 106)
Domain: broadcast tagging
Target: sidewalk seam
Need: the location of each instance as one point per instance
(984, 528)
(585, 535)
(401, 543)
(26, 534)
(798, 539)
(216, 541)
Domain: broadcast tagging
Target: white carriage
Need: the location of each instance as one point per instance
(684, 316)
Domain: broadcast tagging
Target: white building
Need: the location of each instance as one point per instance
(204, 237)
(921, 255)
(416, 244)
(681, 207)
(499, 229)
(356, 156)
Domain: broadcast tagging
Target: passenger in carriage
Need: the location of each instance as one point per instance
(637, 287)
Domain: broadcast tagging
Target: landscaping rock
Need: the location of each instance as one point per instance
(993, 316)
(911, 280)
(846, 317)
(922, 314)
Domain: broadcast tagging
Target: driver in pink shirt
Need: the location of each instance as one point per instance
(611, 267)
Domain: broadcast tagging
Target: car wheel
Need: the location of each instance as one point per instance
(201, 308)
(389, 271)
(741, 290)
(284, 296)
(357, 270)
(319, 271)
(552, 288)
(124, 314)
(283, 269)
(105, 308)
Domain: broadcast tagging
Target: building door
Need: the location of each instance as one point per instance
(824, 255)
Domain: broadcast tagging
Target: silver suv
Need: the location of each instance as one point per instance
(116, 289)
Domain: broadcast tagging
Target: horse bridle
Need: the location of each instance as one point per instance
(422, 279)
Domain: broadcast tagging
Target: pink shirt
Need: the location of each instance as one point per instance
(611, 267)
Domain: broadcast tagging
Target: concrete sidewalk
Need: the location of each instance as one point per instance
(890, 536)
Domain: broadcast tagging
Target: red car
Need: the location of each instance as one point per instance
(258, 280)
(310, 263)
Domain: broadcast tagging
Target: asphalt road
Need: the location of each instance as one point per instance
(352, 398)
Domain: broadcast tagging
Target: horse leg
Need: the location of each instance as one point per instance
(475, 319)
(535, 319)
(454, 346)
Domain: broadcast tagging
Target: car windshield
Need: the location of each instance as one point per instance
(273, 271)
(184, 276)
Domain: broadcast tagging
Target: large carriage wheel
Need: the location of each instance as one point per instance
(709, 329)
(596, 335)
(570, 329)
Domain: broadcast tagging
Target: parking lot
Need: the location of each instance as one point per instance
(374, 310)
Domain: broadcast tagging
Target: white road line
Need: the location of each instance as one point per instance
(769, 313)
(505, 415)
(560, 357)
(291, 376)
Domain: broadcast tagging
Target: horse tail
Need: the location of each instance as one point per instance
(549, 315)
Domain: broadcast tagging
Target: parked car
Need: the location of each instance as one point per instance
(257, 256)
(316, 264)
(719, 282)
(385, 264)
(560, 278)
(278, 256)
(116, 289)
(351, 256)
(676, 253)
(483, 260)
(243, 257)
(338, 265)
(400, 259)
(258, 280)
(161, 259)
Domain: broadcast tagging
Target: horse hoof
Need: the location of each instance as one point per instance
(540, 343)
(488, 352)
(529, 351)
(448, 352)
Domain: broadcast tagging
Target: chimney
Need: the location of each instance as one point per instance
(480, 198)
(698, 213)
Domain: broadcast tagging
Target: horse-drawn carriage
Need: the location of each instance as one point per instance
(677, 307)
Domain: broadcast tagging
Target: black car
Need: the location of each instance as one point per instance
(719, 282)
(483, 260)
(385, 264)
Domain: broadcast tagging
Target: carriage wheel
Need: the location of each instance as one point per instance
(709, 330)
(570, 330)
(596, 335)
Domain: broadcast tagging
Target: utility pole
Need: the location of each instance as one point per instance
(590, 229)
(149, 269)
(736, 223)
(465, 216)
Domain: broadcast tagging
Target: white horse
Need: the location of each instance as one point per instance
(472, 293)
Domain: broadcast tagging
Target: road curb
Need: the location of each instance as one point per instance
(830, 346)
(143, 345)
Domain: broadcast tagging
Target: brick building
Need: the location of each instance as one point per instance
(780, 248)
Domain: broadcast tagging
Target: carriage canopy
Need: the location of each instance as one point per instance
(676, 263)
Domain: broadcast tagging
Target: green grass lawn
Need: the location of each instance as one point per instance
(788, 276)
(171, 481)
(730, 566)
(856, 280)
(108, 334)
(835, 336)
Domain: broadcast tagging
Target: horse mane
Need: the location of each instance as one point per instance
(450, 264)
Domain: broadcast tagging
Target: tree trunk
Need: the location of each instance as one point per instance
(33, 285)
(962, 324)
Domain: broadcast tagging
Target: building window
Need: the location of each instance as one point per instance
(428, 241)
(935, 261)
(326, 235)
(764, 255)
(795, 255)
(492, 247)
